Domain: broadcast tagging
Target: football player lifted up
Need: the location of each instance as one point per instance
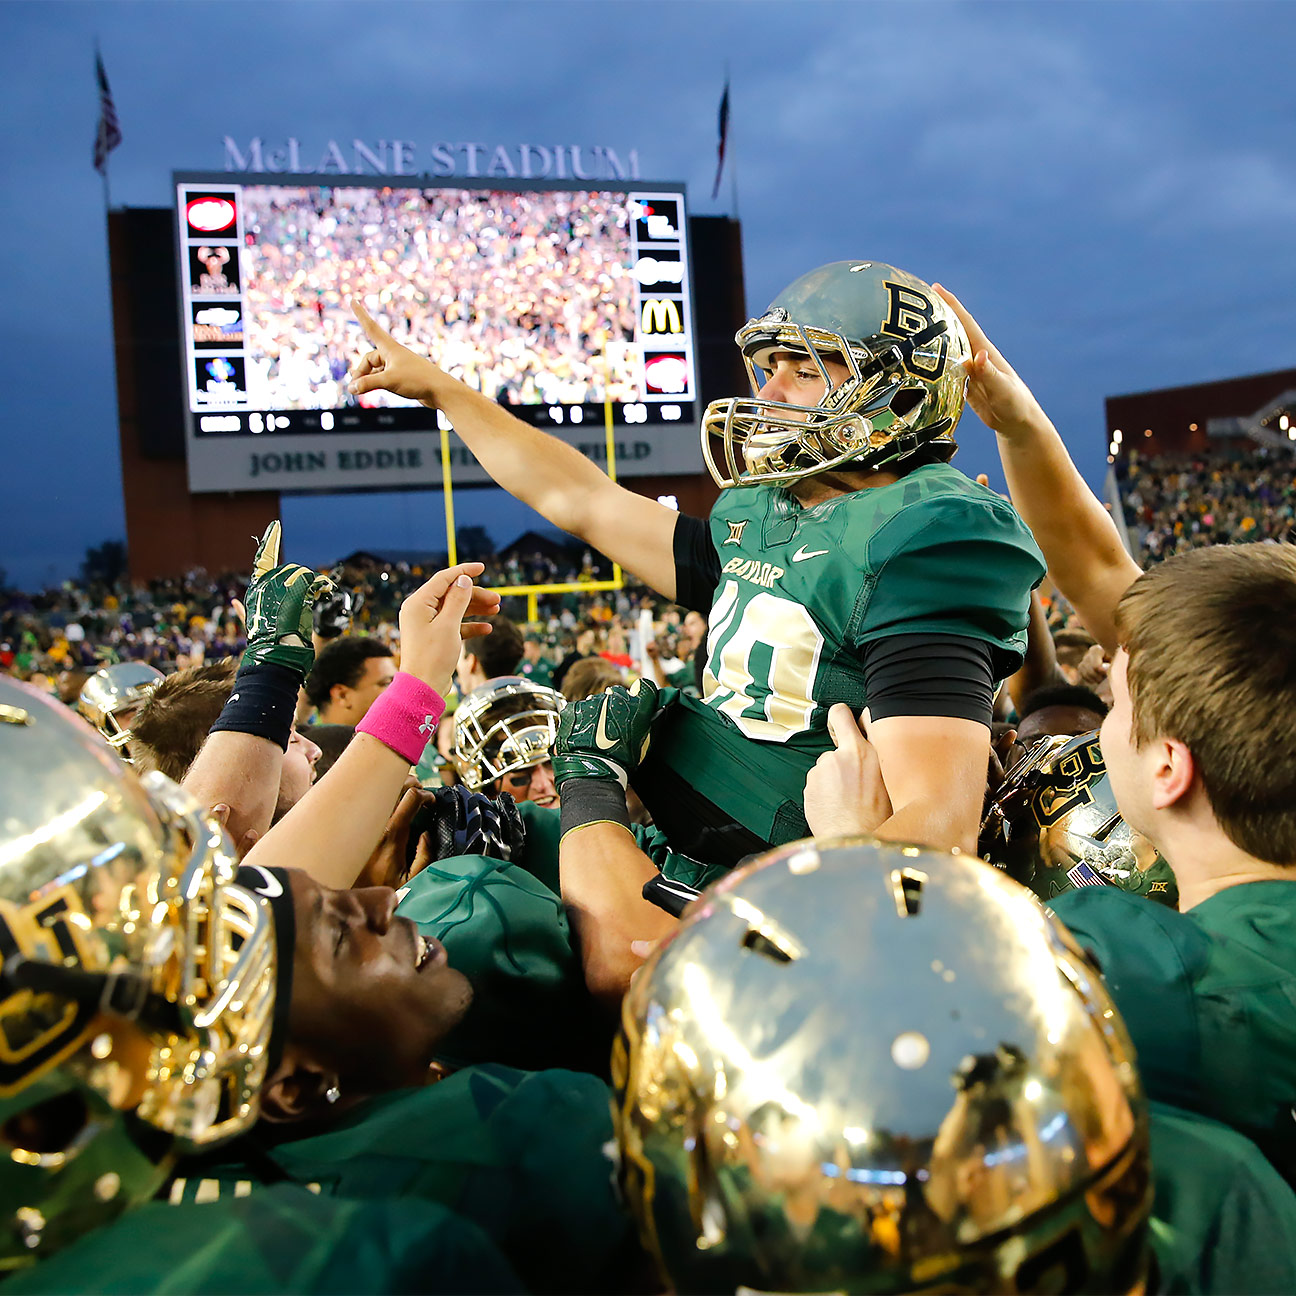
(844, 561)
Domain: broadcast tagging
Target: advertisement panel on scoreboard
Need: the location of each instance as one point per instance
(550, 300)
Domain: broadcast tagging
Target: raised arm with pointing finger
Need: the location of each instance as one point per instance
(844, 561)
(547, 474)
(1081, 545)
(333, 830)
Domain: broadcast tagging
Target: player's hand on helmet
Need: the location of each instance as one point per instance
(390, 366)
(278, 607)
(607, 735)
(432, 623)
(844, 792)
(998, 396)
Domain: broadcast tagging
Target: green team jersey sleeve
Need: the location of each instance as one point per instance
(1223, 1221)
(508, 934)
(523, 1156)
(1209, 997)
(954, 563)
(275, 1240)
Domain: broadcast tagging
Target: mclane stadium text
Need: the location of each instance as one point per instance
(400, 158)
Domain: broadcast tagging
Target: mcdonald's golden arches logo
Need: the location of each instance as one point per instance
(661, 315)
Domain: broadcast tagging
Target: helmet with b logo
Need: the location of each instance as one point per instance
(136, 980)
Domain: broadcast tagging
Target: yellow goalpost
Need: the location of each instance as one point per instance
(533, 592)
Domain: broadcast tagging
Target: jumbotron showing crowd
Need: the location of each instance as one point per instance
(519, 294)
(888, 889)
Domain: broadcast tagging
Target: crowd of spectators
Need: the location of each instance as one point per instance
(515, 293)
(59, 636)
(1175, 502)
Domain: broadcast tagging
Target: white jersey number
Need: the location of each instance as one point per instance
(762, 659)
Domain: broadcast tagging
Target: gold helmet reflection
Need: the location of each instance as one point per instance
(136, 983)
(1054, 826)
(507, 724)
(110, 696)
(862, 1067)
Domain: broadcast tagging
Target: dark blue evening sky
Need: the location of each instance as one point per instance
(1110, 187)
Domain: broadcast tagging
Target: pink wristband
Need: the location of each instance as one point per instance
(405, 716)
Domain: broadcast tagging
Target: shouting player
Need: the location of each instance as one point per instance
(844, 561)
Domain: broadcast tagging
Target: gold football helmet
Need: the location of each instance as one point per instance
(1054, 826)
(111, 696)
(136, 982)
(904, 349)
(863, 1067)
(507, 724)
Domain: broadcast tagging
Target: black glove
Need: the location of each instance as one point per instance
(460, 822)
(333, 611)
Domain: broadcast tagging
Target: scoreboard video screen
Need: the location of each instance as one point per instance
(551, 301)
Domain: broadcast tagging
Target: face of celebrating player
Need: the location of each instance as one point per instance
(796, 380)
(352, 704)
(535, 783)
(297, 773)
(371, 998)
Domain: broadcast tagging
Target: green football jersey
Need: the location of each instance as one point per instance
(1209, 997)
(538, 672)
(540, 855)
(794, 596)
(276, 1240)
(523, 1156)
(1223, 1221)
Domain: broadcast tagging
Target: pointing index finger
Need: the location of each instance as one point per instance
(373, 331)
(267, 554)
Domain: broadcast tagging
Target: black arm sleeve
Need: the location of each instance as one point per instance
(929, 675)
(697, 564)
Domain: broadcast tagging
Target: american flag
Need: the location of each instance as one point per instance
(109, 135)
(724, 137)
(1082, 875)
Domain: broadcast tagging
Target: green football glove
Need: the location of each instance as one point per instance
(607, 735)
(279, 601)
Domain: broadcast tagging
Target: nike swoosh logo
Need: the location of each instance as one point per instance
(803, 553)
(601, 739)
(270, 886)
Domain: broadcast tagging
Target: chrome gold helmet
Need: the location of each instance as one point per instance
(1054, 826)
(905, 350)
(507, 724)
(861, 1067)
(110, 695)
(136, 983)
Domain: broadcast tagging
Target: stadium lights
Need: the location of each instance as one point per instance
(1284, 422)
(1116, 436)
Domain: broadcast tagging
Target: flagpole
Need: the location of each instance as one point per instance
(733, 159)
